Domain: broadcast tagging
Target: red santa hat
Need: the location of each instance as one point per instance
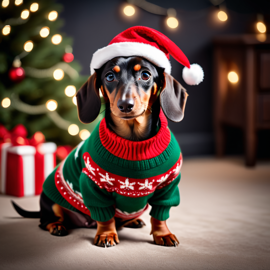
(151, 45)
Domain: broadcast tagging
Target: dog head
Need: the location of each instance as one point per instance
(131, 85)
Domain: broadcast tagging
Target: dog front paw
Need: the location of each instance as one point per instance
(106, 240)
(57, 229)
(169, 240)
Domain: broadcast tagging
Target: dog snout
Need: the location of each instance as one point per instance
(126, 105)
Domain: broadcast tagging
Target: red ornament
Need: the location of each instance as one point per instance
(68, 57)
(16, 74)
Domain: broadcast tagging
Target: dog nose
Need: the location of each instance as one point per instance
(125, 105)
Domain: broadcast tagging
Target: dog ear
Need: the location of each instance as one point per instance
(173, 98)
(88, 100)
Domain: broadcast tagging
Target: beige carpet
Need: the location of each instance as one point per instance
(223, 222)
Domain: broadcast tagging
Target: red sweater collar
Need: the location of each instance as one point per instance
(136, 151)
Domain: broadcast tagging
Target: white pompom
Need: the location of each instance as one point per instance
(193, 75)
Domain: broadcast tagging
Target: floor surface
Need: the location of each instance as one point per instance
(223, 222)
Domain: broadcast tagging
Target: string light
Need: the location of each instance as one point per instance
(28, 46)
(84, 134)
(222, 16)
(56, 39)
(5, 3)
(58, 74)
(233, 77)
(261, 27)
(51, 105)
(6, 102)
(18, 2)
(129, 10)
(34, 7)
(25, 14)
(74, 100)
(172, 22)
(16, 63)
(70, 90)
(6, 30)
(73, 129)
(53, 15)
(44, 32)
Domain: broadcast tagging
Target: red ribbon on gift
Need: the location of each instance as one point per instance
(18, 136)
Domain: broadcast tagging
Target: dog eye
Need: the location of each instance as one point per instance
(145, 75)
(110, 77)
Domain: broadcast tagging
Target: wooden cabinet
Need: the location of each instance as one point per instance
(245, 104)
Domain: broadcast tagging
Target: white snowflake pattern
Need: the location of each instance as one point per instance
(126, 184)
(89, 167)
(163, 179)
(106, 178)
(146, 185)
(79, 193)
(70, 184)
(177, 169)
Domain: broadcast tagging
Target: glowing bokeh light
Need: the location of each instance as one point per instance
(73, 129)
(172, 22)
(28, 46)
(84, 134)
(129, 10)
(233, 77)
(53, 15)
(261, 27)
(51, 105)
(6, 30)
(44, 32)
(58, 74)
(25, 14)
(6, 102)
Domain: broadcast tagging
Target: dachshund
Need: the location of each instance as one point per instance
(135, 91)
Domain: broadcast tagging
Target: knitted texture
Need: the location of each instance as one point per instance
(96, 180)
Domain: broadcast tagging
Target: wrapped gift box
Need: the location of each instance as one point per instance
(25, 163)
(20, 171)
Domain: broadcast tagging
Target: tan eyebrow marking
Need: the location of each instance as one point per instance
(116, 69)
(155, 89)
(137, 67)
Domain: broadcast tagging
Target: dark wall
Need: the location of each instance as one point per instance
(93, 24)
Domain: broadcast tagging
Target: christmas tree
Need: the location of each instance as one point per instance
(38, 77)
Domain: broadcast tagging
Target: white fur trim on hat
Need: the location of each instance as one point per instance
(193, 75)
(125, 49)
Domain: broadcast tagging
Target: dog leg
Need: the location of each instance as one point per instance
(57, 228)
(106, 235)
(162, 235)
(51, 216)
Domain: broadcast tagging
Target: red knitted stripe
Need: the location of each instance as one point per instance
(129, 187)
(131, 150)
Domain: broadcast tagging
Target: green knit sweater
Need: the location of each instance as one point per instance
(107, 176)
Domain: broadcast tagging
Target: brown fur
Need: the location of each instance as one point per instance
(137, 67)
(137, 126)
(116, 69)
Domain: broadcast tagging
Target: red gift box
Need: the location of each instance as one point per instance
(3, 164)
(20, 171)
(25, 163)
